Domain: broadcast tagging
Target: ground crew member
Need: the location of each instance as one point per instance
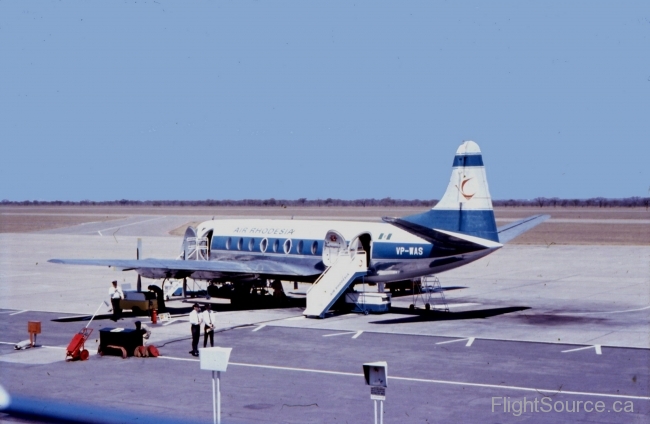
(116, 295)
(143, 329)
(209, 319)
(195, 322)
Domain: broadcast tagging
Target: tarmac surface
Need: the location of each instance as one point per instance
(558, 322)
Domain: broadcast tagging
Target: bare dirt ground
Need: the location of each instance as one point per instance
(33, 222)
(570, 225)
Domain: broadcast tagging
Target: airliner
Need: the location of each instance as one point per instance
(237, 254)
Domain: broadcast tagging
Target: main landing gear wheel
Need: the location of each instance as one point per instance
(427, 307)
(412, 307)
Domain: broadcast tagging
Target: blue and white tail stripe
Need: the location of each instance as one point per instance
(466, 206)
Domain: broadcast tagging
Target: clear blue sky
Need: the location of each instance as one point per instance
(352, 99)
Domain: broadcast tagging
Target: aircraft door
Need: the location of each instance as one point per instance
(189, 252)
(363, 243)
(333, 245)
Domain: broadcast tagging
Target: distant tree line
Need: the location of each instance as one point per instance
(539, 202)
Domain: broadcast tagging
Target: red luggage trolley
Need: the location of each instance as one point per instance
(76, 349)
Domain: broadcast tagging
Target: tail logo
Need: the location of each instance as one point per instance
(462, 188)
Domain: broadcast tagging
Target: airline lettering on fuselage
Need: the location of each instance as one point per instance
(409, 250)
(264, 231)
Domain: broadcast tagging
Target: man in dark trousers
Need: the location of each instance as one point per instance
(208, 325)
(195, 322)
(116, 295)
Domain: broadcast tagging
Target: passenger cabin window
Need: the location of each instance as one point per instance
(287, 246)
(314, 247)
(263, 244)
(299, 248)
(251, 244)
(228, 243)
(240, 243)
(276, 245)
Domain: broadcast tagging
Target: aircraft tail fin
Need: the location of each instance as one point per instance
(466, 206)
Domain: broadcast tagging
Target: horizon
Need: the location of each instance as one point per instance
(633, 201)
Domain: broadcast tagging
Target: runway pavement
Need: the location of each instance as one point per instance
(567, 322)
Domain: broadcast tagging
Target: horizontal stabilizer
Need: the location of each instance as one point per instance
(444, 240)
(512, 230)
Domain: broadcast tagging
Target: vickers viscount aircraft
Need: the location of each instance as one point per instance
(236, 254)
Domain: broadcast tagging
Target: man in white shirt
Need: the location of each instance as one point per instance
(115, 293)
(195, 322)
(209, 320)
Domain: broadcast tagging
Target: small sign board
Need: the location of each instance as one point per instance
(34, 327)
(376, 373)
(214, 358)
(165, 316)
(377, 393)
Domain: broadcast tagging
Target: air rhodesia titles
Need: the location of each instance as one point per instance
(264, 231)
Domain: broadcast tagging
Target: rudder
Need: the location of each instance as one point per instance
(466, 206)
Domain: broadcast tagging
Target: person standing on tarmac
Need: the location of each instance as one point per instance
(209, 318)
(116, 295)
(195, 321)
(143, 329)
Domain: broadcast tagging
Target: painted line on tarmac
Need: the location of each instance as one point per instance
(258, 328)
(358, 333)
(339, 334)
(596, 347)
(610, 312)
(295, 318)
(424, 380)
(19, 312)
(470, 340)
(46, 347)
(128, 225)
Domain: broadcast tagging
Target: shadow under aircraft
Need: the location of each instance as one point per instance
(423, 315)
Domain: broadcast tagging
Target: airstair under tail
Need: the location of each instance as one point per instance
(333, 282)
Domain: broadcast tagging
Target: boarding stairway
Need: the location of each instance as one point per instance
(350, 265)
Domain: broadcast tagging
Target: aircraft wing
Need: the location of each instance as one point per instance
(177, 268)
(514, 229)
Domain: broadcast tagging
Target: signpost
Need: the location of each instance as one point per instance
(215, 359)
(376, 375)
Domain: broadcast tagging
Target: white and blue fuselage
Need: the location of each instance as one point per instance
(393, 254)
